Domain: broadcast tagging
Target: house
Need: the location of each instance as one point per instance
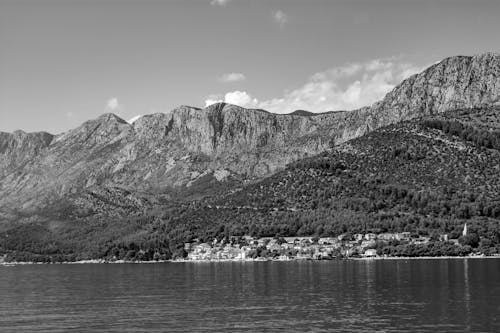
(229, 252)
(387, 236)
(200, 252)
(370, 236)
(248, 239)
(287, 246)
(370, 253)
(264, 241)
(405, 236)
(274, 247)
(368, 243)
(202, 248)
(327, 240)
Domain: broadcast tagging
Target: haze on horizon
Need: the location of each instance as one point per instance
(65, 61)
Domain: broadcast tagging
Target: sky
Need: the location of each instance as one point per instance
(63, 62)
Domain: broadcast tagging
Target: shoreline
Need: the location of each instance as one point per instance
(102, 261)
(427, 258)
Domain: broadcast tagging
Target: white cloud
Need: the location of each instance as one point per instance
(112, 104)
(281, 18)
(219, 2)
(347, 87)
(236, 97)
(240, 98)
(232, 77)
(131, 120)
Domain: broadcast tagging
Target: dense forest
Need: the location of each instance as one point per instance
(427, 176)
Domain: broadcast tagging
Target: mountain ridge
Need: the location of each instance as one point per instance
(489, 59)
(190, 145)
(426, 176)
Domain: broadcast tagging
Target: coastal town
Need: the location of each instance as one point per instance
(305, 248)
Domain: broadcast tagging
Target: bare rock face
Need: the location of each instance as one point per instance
(454, 83)
(19, 147)
(222, 141)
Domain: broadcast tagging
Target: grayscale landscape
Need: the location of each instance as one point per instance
(234, 196)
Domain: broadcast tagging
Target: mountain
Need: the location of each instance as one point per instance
(109, 171)
(302, 113)
(432, 173)
(454, 83)
(19, 147)
(424, 176)
(165, 151)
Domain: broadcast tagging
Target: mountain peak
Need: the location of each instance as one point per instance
(487, 55)
(453, 83)
(303, 113)
(19, 132)
(219, 105)
(186, 107)
(176, 147)
(111, 117)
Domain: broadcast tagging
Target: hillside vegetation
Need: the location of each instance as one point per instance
(425, 176)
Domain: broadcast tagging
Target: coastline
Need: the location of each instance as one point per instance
(427, 258)
(102, 261)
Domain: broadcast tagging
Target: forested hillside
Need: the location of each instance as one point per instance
(426, 176)
(408, 177)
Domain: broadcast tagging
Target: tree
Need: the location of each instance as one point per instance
(471, 239)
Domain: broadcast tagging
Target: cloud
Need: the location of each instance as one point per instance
(346, 87)
(281, 18)
(236, 97)
(240, 98)
(219, 2)
(112, 104)
(232, 77)
(131, 120)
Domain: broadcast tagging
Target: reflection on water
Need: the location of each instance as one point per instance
(453, 295)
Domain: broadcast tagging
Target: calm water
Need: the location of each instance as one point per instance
(455, 295)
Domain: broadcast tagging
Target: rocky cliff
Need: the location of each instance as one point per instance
(19, 147)
(190, 145)
(454, 83)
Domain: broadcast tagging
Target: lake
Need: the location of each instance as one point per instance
(435, 295)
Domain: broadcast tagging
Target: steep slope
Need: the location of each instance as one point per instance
(456, 82)
(402, 177)
(19, 147)
(161, 151)
(71, 161)
(421, 176)
(203, 147)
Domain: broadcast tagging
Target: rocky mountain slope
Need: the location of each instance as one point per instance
(454, 83)
(433, 173)
(426, 176)
(194, 148)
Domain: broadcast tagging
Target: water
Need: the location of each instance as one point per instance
(455, 295)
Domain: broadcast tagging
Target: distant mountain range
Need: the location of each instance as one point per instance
(164, 171)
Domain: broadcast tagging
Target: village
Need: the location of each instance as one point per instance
(297, 248)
